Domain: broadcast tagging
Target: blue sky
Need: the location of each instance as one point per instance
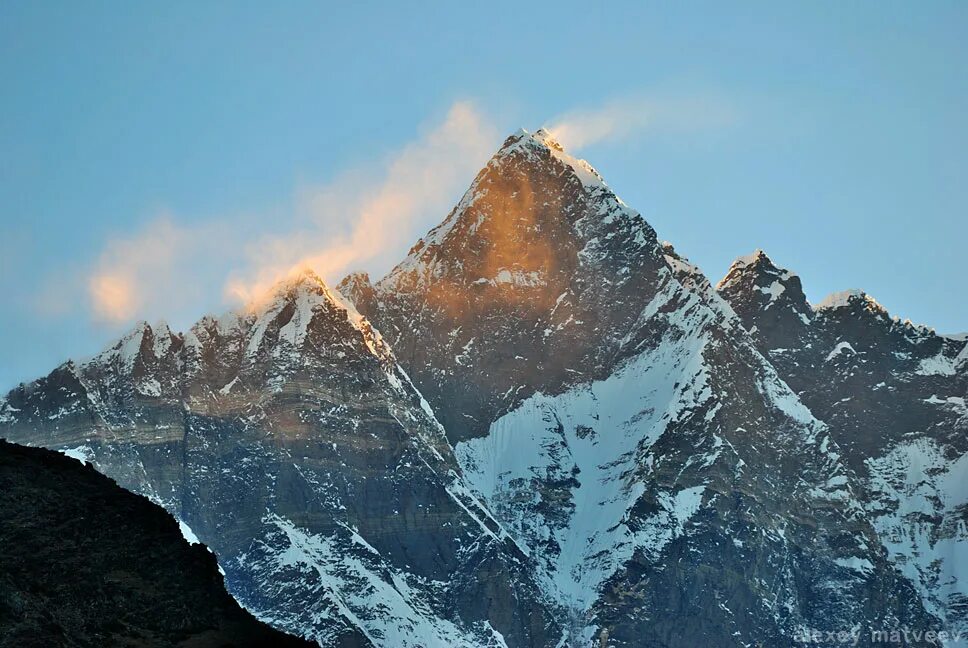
(829, 134)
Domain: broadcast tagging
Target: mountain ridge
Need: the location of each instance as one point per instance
(575, 440)
(215, 436)
(893, 393)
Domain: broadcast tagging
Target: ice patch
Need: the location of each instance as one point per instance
(188, 534)
(854, 563)
(229, 386)
(838, 349)
(83, 453)
(937, 365)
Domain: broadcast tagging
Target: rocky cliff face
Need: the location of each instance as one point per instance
(596, 448)
(84, 562)
(893, 394)
(292, 443)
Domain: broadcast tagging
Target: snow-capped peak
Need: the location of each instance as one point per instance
(848, 298)
(754, 283)
(300, 279)
(857, 301)
(542, 139)
(127, 348)
(358, 277)
(305, 291)
(755, 264)
(529, 179)
(758, 256)
(305, 287)
(545, 137)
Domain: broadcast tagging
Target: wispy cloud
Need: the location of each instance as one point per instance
(365, 217)
(161, 267)
(627, 117)
(362, 216)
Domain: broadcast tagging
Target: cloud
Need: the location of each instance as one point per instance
(162, 268)
(633, 116)
(364, 217)
(114, 296)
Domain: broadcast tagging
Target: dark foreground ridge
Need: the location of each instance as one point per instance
(84, 562)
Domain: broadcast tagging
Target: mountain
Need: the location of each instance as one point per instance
(612, 411)
(893, 394)
(574, 441)
(84, 562)
(524, 283)
(290, 441)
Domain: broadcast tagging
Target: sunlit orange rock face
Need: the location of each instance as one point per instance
(517, 286)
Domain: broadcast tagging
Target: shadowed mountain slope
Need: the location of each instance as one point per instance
(893, 394)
